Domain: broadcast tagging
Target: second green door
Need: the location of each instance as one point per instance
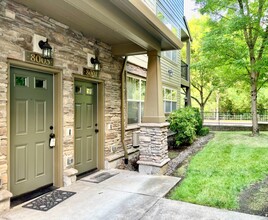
(86, 127)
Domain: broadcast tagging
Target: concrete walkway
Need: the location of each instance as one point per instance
(126, 195)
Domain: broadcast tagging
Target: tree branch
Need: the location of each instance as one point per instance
(260, 11)
(265, 81)
(264, 41)
(196, 100)
(196, 87)
(242, 12)
(210, 93)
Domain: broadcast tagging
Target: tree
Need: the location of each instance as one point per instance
(204, 78)
(239, 40)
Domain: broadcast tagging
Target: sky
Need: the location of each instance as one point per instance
(190, 9)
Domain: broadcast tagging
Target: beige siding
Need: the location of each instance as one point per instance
(174, 81)
(140, 60)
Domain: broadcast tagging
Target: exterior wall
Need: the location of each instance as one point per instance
(18, 25)
(174, 10)
(151, 4)
(173, 81)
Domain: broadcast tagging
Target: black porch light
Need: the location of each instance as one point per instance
(95, 61)
(46, 49)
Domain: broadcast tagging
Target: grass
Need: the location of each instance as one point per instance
(223, 169)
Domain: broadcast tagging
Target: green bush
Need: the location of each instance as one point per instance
(204, 131)
(198, 117)
(185, 122)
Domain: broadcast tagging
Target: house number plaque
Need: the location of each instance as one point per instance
(90, 72)
(37, 58)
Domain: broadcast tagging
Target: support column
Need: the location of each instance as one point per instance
(153, 129)
(153, 103)
(188, 61)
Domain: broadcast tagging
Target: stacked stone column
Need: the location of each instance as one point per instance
(153, 148)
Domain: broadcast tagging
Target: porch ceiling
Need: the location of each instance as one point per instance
(127, 25)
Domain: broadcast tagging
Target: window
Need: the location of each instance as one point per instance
(171, 54)
(40, 83)
(21, 81)
(170, 100)
(135, 99)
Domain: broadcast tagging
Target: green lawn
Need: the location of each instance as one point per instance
(227, 165)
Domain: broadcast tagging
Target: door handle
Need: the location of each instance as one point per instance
(52, 140)
(96, 130)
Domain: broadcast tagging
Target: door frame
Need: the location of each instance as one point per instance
(100, 112)
(57, 117)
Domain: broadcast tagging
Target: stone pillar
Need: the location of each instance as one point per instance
(153, 148)
(153, 129)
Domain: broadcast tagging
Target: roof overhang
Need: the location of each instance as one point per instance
(127, 25)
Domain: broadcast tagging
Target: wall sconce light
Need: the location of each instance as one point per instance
(93, 71)
(170, 72)
(46, 49)
(95, 61)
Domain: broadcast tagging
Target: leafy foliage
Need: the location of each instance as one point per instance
(187, 123)
(204, 77)
(204, 131)
(238, 42)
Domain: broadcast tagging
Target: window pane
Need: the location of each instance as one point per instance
(143, 87)
(133, 90)
(21, 81)
(133, 112)
(174, 106)
(167, 106)
(89, 91)
(168, 95)
(78, 89)
(40, 83)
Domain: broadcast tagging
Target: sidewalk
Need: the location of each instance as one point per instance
(127, 195)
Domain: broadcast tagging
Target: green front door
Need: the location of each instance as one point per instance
(85, 126)
(31, 115)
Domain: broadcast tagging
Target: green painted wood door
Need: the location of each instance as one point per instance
(31, 108)
(85, 126)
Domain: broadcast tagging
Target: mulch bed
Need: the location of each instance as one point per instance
(186, 152)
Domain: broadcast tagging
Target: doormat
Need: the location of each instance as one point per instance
(99, 177)
(49, 200)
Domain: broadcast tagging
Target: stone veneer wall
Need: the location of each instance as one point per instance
(153, 148)
(18, 25)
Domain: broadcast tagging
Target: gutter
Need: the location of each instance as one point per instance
(123, 80)
(187, 27)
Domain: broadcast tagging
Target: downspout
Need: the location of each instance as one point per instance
(123, 80)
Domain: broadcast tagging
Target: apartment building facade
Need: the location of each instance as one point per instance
(67, 115)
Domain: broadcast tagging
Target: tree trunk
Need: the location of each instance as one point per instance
(202, 113)
(255, 127)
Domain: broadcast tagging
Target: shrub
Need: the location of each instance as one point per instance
(198, 117)
(204, 131)
(185, 123)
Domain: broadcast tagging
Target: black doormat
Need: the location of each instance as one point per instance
(99, 177)
(49, 200)
(26, 197)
